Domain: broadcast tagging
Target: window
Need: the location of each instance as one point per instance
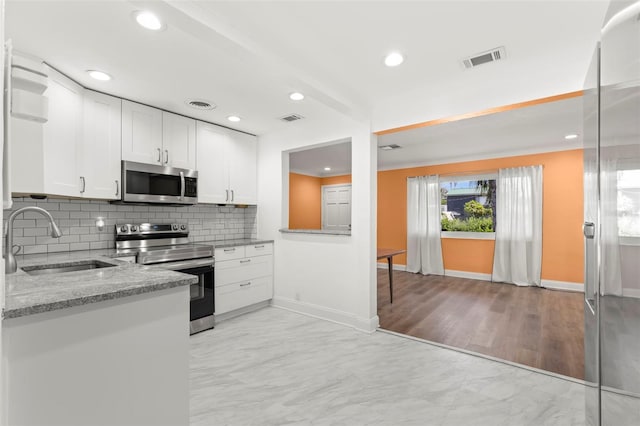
(468, 205)
(628, 200)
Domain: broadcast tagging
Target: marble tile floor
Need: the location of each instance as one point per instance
(275, 367)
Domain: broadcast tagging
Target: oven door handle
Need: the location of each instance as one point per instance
(187, 264)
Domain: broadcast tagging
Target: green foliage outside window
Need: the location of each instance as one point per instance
(480, 219)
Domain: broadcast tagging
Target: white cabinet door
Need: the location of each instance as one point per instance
(141, 133)
(61, 136)
(100, 149)
(242, 170)
(179, 141)
(213, 173)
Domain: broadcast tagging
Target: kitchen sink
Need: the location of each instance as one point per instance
(60, 268)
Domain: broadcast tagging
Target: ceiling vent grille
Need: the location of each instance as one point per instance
(291, 117)
(390, 147)
(200, 104)
(492, 55)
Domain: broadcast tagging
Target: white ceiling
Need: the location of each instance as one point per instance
(246, 56)
(539, 128)
(312, 161)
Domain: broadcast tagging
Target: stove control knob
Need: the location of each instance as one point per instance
(183, 227)
(124, 228)
(134, 228)
(174, 226)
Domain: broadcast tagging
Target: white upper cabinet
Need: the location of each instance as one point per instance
(141, 133)
(61, 136)
(242, 173)
(226, 166)
(153, 136)
(179, 141)
(44, 157)
(213, 173)
(100, 148)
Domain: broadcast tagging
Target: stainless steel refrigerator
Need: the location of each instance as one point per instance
(612, 221)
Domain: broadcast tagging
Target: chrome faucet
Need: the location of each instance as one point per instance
(10, 264)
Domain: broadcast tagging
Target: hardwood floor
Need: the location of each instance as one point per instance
(529, 325)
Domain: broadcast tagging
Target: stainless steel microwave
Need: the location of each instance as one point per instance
(150, 183)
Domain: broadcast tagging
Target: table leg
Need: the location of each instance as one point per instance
(390, 261)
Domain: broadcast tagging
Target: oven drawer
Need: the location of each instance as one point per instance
(243, 293)
(259, 249)
(229, 253)
(231, 271)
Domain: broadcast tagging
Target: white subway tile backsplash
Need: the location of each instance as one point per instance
(77, 221)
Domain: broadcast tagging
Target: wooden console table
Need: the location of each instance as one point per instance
(388, 254)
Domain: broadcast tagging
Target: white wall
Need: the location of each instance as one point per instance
(2, 362)
(329, 276)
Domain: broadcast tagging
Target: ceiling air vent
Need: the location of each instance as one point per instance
(390, 147)
(291, 117)
(200, 104)
(485, 57)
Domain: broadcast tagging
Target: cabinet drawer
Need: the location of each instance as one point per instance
(259, 249)
(235, 270)
(244, 293)
(228, 253)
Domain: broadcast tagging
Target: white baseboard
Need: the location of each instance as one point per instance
(395, 267)
(631, 292)
(465, 274)
(563, 285)
(241, 311)
(368, 325)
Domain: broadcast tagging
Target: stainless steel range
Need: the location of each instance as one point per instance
(168, 246)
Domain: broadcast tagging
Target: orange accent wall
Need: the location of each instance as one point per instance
(304, 202)
(305, 199)
(562, 241)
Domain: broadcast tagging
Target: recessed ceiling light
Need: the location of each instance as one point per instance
(233, 118)
(99, 75)
(393, 59)
(327, 169)
(571, 136)
(296, 96)
(148, 20)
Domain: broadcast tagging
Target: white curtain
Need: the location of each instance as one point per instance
(518, 247)
(610, 278)
(424, 250)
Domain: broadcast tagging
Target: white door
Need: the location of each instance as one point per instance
(141, 133)
(213, 174)
(100, 148)
(61, 136)
(242, 168)
(336, 207)
(179, 141)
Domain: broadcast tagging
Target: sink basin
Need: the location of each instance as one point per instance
(60, 268)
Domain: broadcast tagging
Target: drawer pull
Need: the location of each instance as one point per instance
(262, 246)
(229, 250)
(245, 284)
(245, 261)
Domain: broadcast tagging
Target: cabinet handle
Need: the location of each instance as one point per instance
(83, 183)
(245, 261)
(227, 198)
(245, 284)
(232, 195)
(159, 155)
(230, 250)
(117, 189)
(166, 161)
(261, 246)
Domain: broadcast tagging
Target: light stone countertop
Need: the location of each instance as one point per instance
(32, 294)
(235, 243)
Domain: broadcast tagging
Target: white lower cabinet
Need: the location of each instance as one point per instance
(243, 276)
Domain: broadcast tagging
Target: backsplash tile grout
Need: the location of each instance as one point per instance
(77, 221)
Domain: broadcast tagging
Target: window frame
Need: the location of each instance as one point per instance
(465, 235)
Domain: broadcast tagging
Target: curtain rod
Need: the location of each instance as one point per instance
(474, 172)
(465, 173)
